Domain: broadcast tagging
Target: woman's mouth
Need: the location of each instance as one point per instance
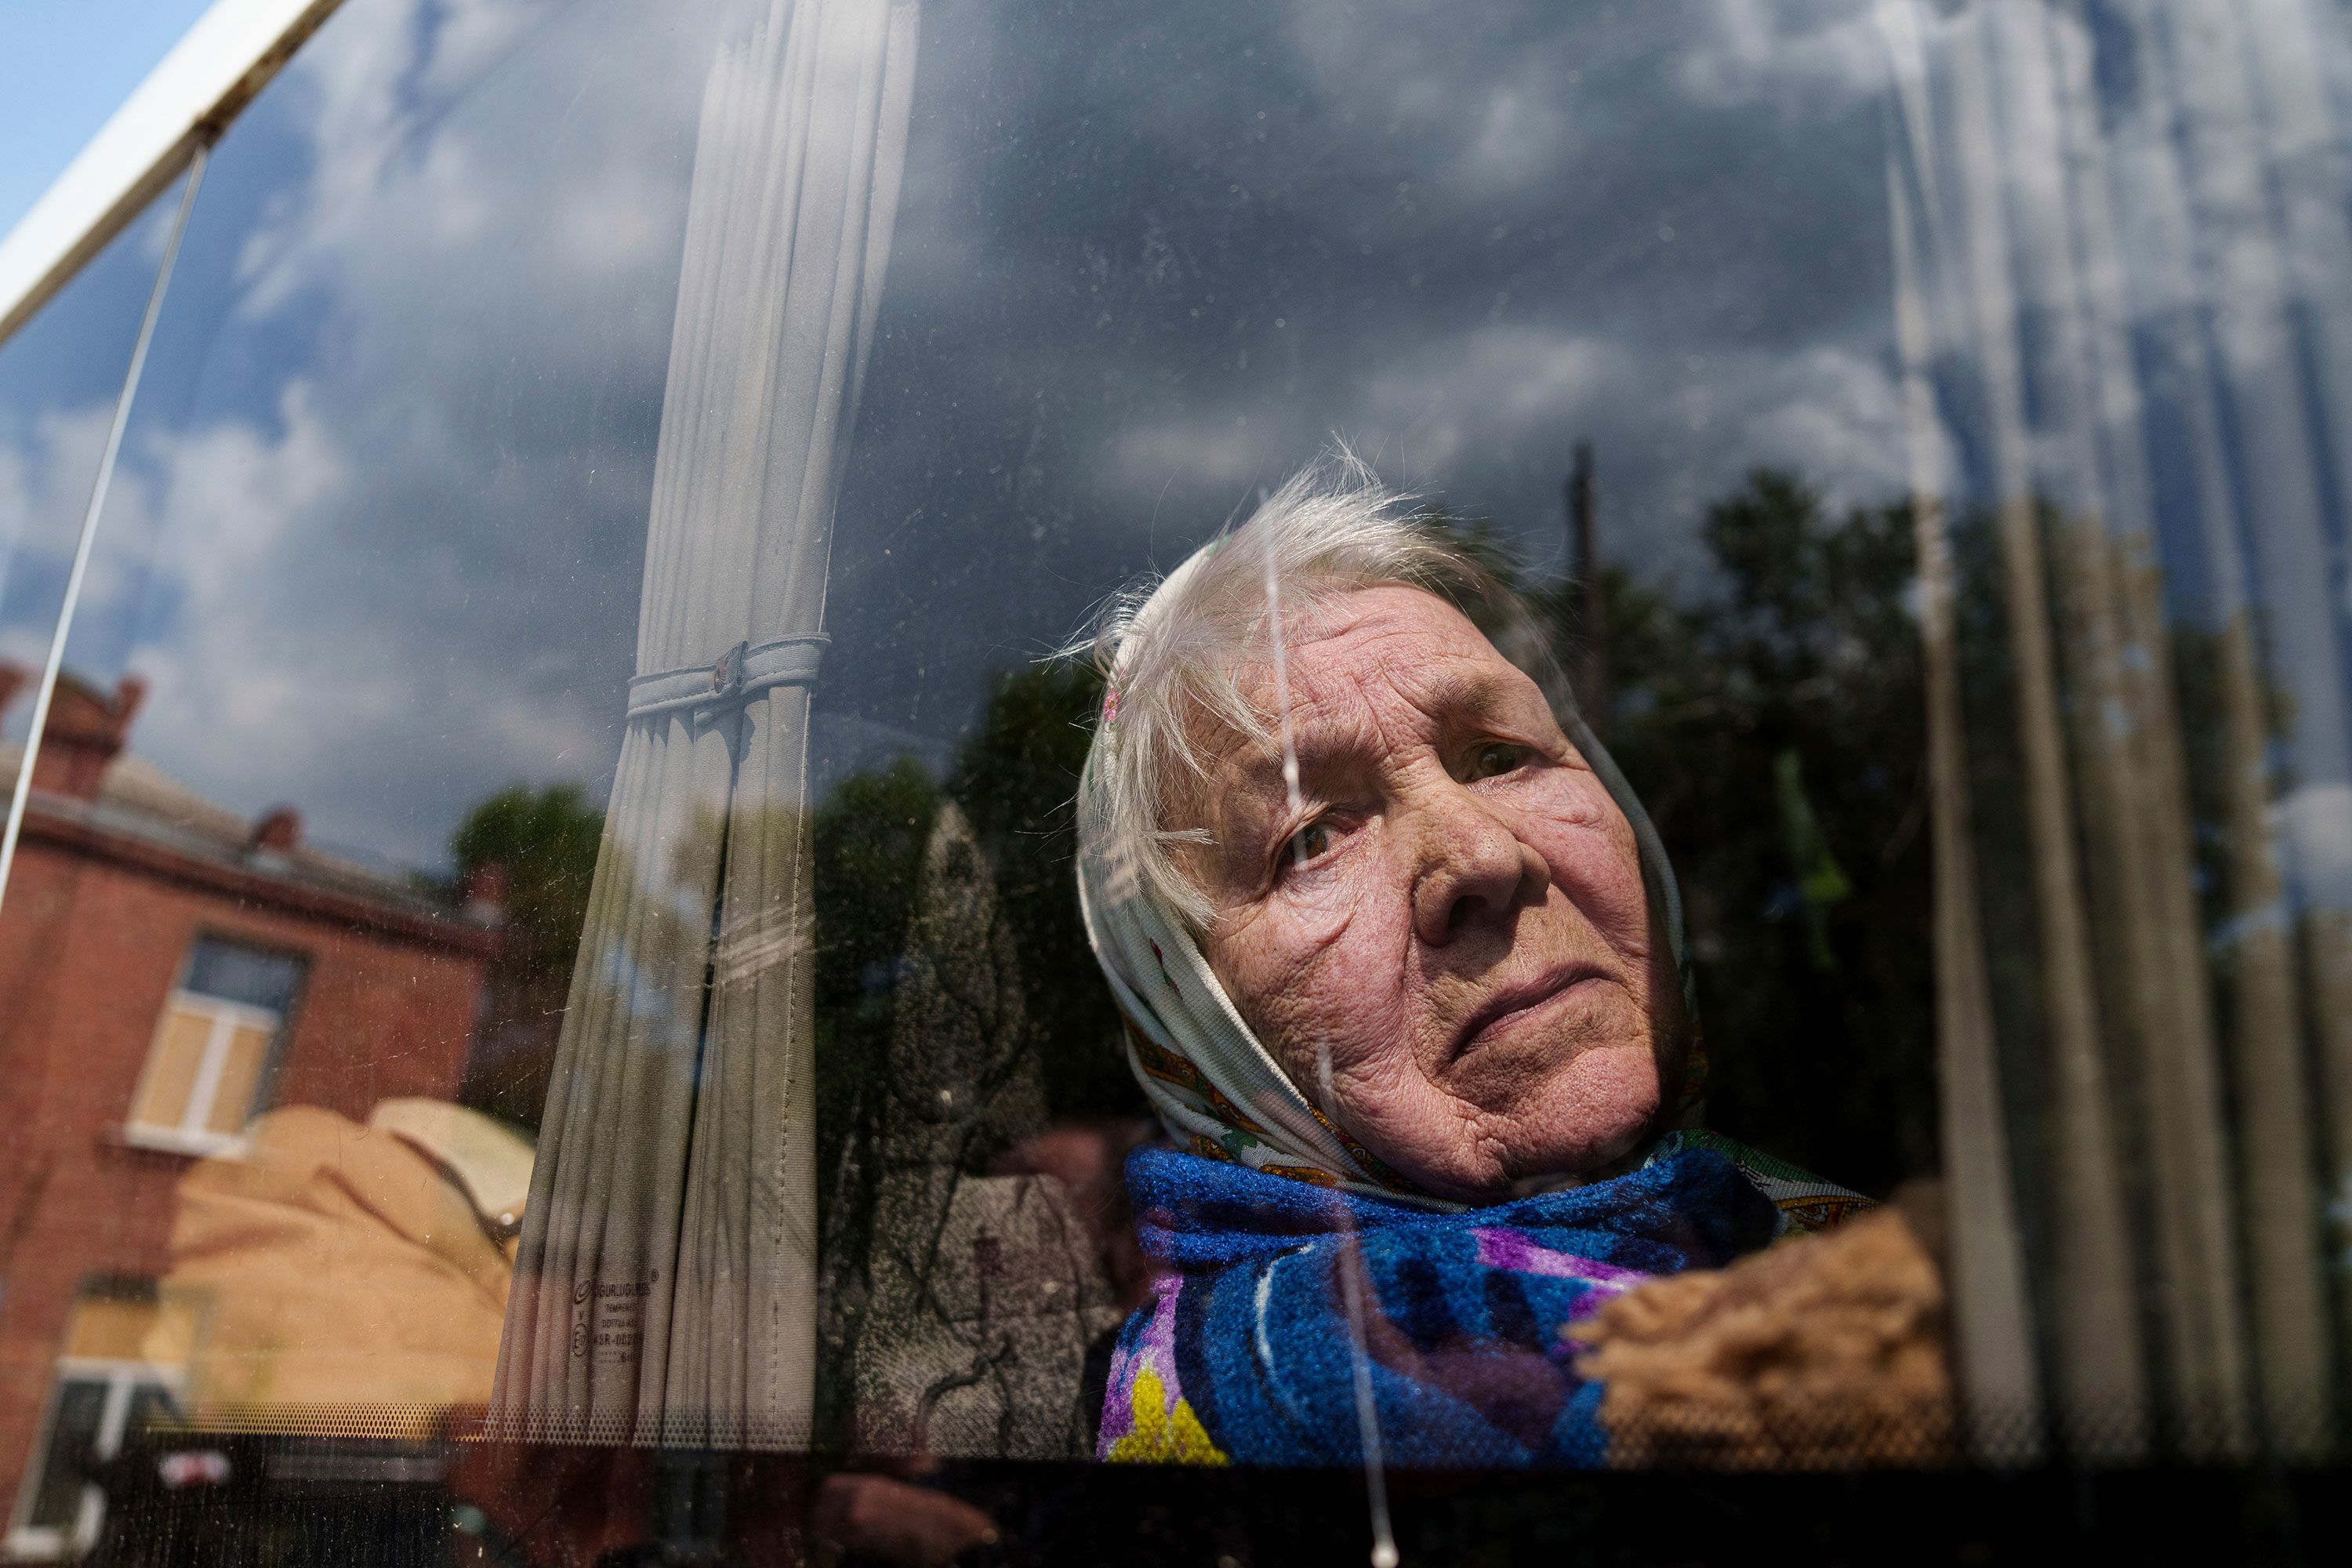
(1530, 1007)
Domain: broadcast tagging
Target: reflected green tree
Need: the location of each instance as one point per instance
(867, 842)
(1014, 778)
(1770, 717)
(544, 839)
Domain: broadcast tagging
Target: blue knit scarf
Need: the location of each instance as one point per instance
(1245, 1353)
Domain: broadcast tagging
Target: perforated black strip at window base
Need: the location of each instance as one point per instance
(270, 1501)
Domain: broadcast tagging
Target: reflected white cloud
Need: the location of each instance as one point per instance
(1785, 52)
(1472, 121)
(46, 465)
(1828, 412)
(2315, 822)
(378, 562)
(1462, 401)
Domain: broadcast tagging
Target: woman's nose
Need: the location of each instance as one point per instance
(1473, 867)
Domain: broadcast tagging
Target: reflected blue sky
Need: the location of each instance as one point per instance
(60, 375)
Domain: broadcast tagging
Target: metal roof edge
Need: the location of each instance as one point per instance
(227, 58)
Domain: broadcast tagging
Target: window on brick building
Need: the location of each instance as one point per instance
(215, 1044)
(119, 1375)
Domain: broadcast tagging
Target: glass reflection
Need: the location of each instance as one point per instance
(375, 530)
(1145, 269)
(2115, 232)
(60, 376)
(600, 694)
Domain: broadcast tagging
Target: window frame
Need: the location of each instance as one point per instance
(192, 1137)
(233, 50)
(123, 1380)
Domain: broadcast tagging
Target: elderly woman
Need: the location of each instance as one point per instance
(1400, 961)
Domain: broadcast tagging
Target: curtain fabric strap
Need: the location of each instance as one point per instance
(743, 672)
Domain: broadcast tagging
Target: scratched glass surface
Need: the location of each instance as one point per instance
(1920, 426)
(60, 375)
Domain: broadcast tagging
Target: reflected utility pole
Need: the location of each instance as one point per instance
(1589, 670)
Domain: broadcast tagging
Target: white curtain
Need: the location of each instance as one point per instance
(665, 1291)
(2124, 239)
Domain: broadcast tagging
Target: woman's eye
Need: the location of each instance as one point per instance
(1494, 759)
(1311, 842)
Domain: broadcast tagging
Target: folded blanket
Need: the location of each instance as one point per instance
(1245, 1355)
(1827, 1352)
(345, 1276)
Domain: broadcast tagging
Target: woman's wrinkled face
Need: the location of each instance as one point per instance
(1453, 907)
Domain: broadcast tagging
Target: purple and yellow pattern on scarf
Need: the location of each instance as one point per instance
(1147, 1420)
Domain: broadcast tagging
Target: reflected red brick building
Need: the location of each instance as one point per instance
(169, 969)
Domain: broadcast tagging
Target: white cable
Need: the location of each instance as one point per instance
(90, 518)
(1351, 1259)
